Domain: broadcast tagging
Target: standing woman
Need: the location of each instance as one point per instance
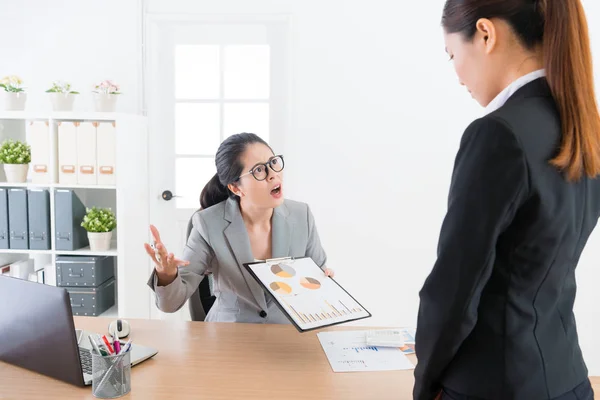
(496, 315)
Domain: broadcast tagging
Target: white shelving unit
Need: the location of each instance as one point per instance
(31, 185)
(128, 198)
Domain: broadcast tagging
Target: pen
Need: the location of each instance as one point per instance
(98, 346)
(116, 343)
(94, 345)
(126, 347)
(102, 345)
(107, 343)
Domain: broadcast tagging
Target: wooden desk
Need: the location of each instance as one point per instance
(221, 361)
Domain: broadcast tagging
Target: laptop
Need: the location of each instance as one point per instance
(38, 333)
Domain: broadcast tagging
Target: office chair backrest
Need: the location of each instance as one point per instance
(203, 298)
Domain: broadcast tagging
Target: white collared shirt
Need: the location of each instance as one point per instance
(504, 95)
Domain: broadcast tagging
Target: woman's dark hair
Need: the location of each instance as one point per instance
(560, 27)
(229, 168)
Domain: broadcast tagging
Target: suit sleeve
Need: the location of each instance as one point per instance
(198, 252)
(314, 249)
(489, 183)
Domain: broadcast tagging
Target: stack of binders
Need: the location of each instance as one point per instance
(86, 153)
(24, 219)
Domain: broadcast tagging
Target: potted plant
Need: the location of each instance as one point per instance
(99, 224)
(13, 95)
(105, 96)
(61, 96)
(15, 156)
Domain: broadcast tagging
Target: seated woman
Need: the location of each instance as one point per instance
(244, 218)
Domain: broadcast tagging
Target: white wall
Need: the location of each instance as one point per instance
(81, 42)
(377, 116)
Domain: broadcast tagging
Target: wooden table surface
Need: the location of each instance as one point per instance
(222, 361)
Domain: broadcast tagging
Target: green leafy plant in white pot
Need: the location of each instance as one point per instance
(99, 224)
(61, 96)
(105, 96)
(15, 156)
(13, 94)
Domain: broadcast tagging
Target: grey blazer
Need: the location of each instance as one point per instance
(219, 245)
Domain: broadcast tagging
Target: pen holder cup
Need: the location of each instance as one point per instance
(111, 375)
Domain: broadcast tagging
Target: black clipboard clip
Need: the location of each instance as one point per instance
(271, 261)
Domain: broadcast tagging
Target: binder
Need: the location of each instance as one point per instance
(305, 295)
(86, 154)
(17, 219)
(106, 143)
(39, 139)
(3, 219)
(67, 153)
(39, 219)
(69, 212)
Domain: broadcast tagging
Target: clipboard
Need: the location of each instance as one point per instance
(304, 294)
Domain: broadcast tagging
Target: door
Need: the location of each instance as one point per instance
(206, 81)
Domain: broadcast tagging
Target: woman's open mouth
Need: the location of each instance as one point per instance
(276, 192)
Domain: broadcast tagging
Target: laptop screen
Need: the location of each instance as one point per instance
(37, 329)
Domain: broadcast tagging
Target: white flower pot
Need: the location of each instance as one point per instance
(105, 102)
(62, 101)
(16, 173)
(99, 241)
(13, 101)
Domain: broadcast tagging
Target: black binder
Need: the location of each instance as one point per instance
(3, 218)
(39, 219)
(69, 213)
(17, 219)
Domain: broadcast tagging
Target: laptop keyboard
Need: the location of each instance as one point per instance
(86, 360)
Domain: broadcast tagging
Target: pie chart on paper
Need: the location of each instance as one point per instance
(283, 271)
(310, 283)
(280, 288)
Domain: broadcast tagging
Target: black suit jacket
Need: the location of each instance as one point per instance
(496, 314)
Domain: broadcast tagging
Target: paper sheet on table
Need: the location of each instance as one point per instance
(409, 335)
(348, 351)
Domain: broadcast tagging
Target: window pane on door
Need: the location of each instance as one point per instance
(246, 72)
(197, 72)
(191, 175)
(246, 117)
(197, 128)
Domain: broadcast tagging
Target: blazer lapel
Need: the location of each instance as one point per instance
(281, 232)
(239, 243)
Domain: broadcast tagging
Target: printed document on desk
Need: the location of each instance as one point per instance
(309, 298)
(347, 351)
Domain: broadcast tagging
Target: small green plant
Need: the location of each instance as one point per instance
(12, 84)
(61, 87)
(15, 152)
(99, 220)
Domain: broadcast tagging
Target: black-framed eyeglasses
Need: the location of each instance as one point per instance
(260, 172)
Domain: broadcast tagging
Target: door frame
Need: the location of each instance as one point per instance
(154, 24)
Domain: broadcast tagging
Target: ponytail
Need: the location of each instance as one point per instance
(229, 168)
(560, 27)
(213, 193)
(569, 70)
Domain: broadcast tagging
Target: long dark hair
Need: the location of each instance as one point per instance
(229, 168)
(561, 28)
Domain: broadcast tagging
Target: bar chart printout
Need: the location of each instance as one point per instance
(347, 351)
(307, 295)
